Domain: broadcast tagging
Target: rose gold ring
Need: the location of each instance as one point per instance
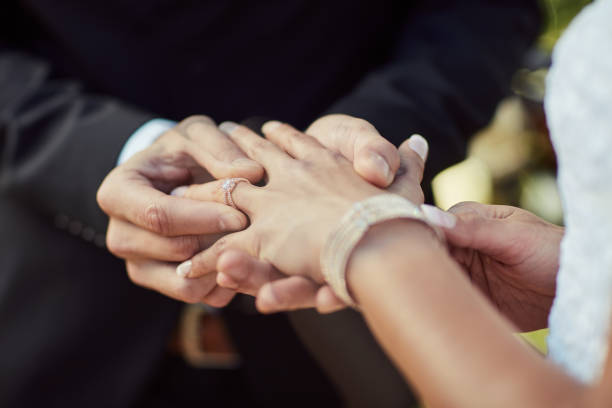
(228, 186)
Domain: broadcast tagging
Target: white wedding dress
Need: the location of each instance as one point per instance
(579, 110)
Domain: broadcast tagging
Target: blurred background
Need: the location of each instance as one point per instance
(512, 161)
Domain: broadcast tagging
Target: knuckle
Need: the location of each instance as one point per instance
(219, 246)
(335, 156)
(155, 218)
(360, 126)
(304, 167)
(172, 140)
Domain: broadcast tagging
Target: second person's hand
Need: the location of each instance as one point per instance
(509, 253)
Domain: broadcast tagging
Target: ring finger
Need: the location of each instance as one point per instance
(235, 192)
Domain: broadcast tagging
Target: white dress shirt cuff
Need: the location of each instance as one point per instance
(144, 137)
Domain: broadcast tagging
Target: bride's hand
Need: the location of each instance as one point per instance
(237, 270)
(309, 190)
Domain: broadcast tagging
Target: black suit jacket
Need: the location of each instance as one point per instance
(77, 78)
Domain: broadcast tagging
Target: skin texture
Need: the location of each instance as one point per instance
(294, 292)
(154, 231)
(442, 332)
(244, 273)
(511, 255)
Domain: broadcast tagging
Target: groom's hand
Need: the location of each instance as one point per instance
(151, 229)
(374, 158)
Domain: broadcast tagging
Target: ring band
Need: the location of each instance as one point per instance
(228, 186)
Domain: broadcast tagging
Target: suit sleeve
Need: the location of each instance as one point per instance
(452, 63)
(56, 142)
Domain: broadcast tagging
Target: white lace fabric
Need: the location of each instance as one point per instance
(579, 111)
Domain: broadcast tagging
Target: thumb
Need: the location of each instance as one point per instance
(374, 158)
(473, 225)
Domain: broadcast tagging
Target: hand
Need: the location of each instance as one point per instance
(509, 253)
(153, 230)
(313, 161)
(377, 161)
(240, 271)
(374, 158)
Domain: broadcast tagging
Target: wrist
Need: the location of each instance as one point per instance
(409, 244)
(355, 224)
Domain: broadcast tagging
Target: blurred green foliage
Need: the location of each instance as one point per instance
(558, 14)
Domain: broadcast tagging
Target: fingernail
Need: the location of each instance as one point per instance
(228, 127)
(226, 281)
(419, 145)
(183, 269)
(438, 217)
(230, 222)
(382, 166)
(179, 191)
(270, 126)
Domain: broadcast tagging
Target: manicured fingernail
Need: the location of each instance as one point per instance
(270, 126)
(438, 217)
(419, 145)
(228, 127)
(382, 166)
(226, 281)
(183, 269)
(179, 191)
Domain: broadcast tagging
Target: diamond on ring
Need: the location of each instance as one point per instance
(228, 186)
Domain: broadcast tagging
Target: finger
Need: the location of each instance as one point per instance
(292, 293)
(219, 297)
(217, 152)
(408, 179)
(299, 145)
(129, 241)
(414, 153)
(161, 277)
(327, 301)
(222, 191)
(476, 226)
(244, 273)
(205, 262)
(374, 158)
(485, 210)
(128, 195)
(257, 148)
